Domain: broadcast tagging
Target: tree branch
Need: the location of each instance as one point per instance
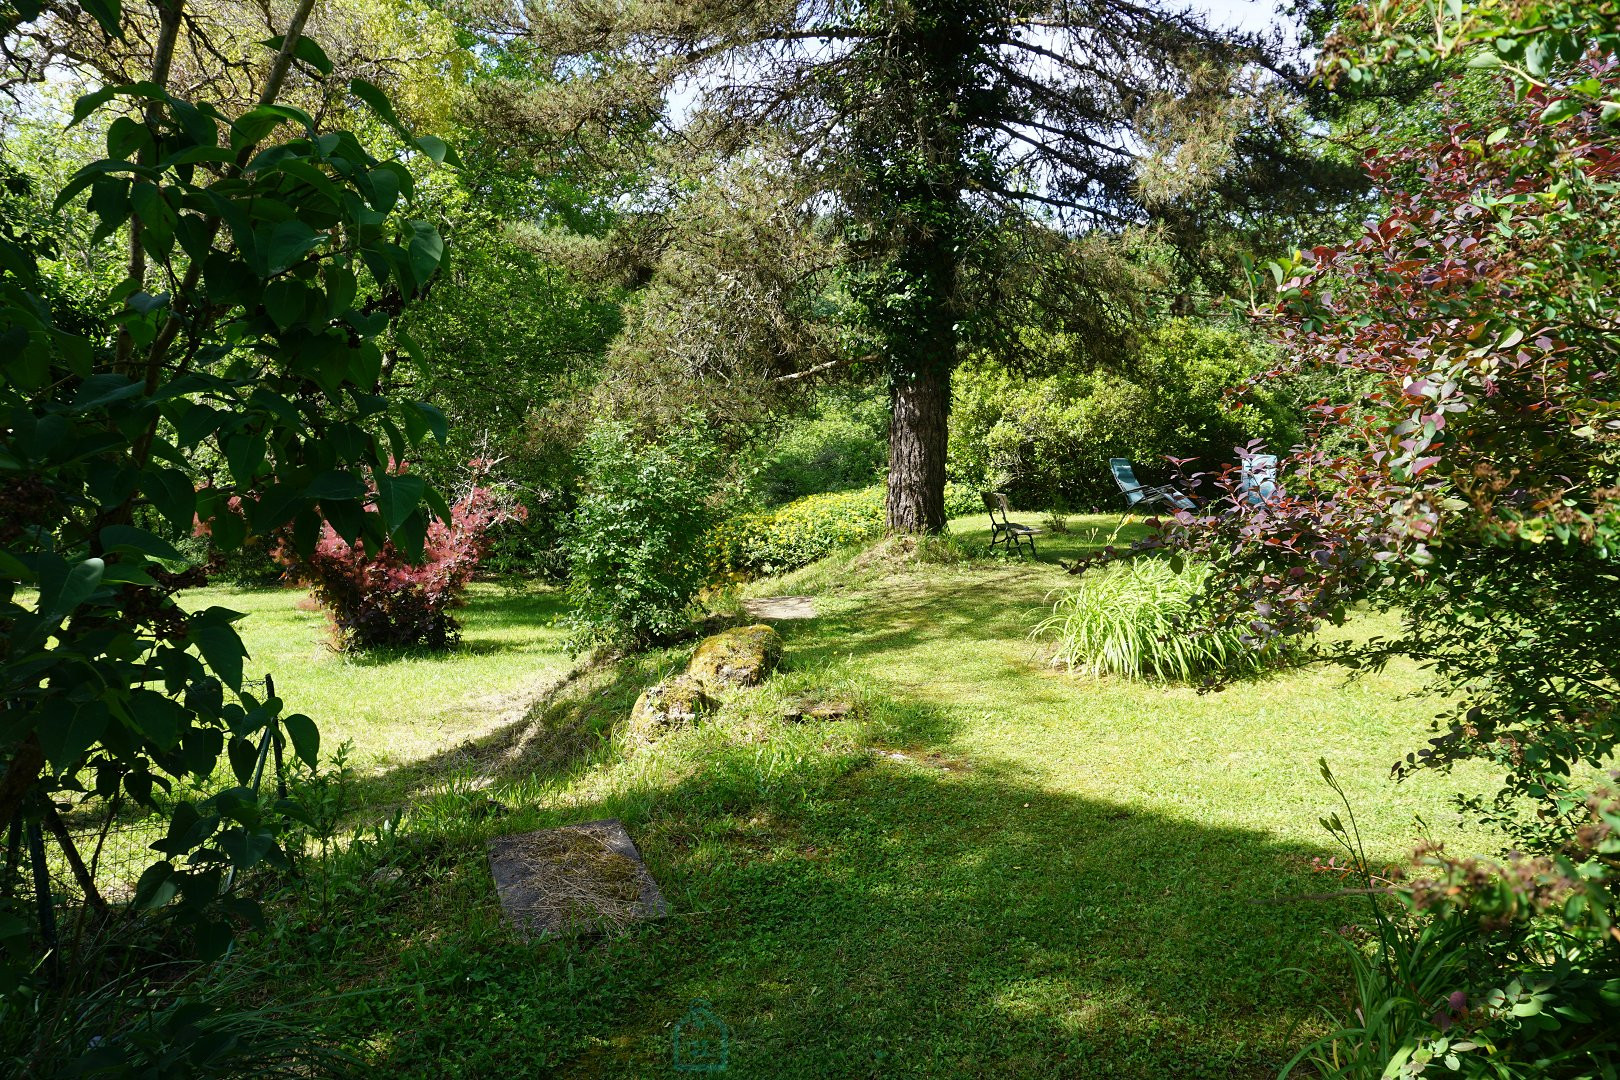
(169, 13)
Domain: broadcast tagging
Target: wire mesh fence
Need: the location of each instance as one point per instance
(76, 865)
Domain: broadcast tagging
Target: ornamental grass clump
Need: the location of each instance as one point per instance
(1134, 618)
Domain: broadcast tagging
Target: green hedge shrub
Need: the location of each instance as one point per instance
(1042, 440)
(795, 535)
(637, 543)
(842, 446)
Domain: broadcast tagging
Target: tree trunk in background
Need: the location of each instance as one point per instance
(914, 166)
(923, 346)
(920, 406)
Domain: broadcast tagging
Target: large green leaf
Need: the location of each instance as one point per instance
(426, 251)
(305, 736)
(66, 738)
(378, 102)
(93, 172)
(106, 13)
(217, 640)
(437, 150)
(128, 537)
(158, 718)
(284, 302)
(304, 49)
(250, 128)
(63, 588)
(336, 485)
(246, 848)
(156, 887)
(398, 497)
(285, 244)
(243, 756)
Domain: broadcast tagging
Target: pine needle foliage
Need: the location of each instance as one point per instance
(971, 167)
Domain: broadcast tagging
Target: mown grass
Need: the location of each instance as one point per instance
(405, 711)
(990, 869)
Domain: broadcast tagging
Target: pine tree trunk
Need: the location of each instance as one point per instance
(920, 406)
(916, 175)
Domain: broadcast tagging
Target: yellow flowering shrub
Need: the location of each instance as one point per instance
(800, 532)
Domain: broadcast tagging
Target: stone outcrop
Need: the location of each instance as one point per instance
(741, 656)
(673, 703)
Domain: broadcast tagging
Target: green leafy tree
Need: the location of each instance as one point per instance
(1479, 501)
(508, 385)
(1046, 441)
(266, 259)
(406, 47)
(973, 152)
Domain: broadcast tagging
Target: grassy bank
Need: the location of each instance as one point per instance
(406, 712)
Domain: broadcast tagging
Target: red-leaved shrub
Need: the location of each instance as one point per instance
(382, 599)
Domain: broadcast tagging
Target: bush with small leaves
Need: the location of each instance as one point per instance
(636, 545)
(264, 260)
(795, 535)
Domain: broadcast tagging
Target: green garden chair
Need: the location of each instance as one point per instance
(1257, 484)
(1139, 495)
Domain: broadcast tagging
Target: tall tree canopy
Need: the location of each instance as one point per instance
(969, 148)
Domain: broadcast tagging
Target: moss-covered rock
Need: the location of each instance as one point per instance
(741, 656)
(673, 703)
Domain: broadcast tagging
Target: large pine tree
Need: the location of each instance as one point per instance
(969, 146)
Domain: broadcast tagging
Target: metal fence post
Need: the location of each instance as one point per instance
(42, 897)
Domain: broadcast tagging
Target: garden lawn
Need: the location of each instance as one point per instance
(405, 711)
(991, 869)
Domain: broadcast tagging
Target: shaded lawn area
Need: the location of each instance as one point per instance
(994, 870)
(1059, 877)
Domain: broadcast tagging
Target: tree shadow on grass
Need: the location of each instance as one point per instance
(920, 915)
(964, 619)
(974, 615)
(978, 925)
(550, 736)
(515, 606)
(482, 623)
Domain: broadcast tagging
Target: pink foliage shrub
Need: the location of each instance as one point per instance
(381, 598)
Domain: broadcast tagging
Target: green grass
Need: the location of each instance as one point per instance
(1125, 619)
(407, 712)
(991, 869)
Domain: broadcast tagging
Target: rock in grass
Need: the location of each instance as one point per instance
(741, 656)
(673, 703)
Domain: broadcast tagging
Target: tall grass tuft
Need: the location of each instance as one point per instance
(1131, 618)
(168, 1019)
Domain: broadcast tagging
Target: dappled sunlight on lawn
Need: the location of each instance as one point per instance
(400, 706)
(990, 868)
